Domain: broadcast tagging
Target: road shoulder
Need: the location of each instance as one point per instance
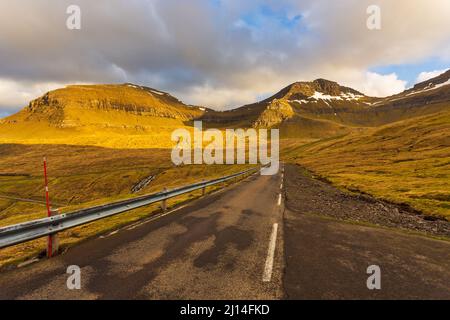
(328, 258)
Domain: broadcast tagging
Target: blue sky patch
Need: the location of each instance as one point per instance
(409, 72)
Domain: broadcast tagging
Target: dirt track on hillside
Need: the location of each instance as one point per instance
(307, 195)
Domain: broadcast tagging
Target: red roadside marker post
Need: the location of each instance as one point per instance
(52, 240)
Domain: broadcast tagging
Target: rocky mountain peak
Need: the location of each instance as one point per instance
(326, 86)
(316, 88)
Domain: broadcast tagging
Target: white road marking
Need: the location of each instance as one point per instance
(134, 226)
(155, 218)
(109, 234)
(142, 222)
(281, 186)
(26, 263)
(279, 199)
(267, 275)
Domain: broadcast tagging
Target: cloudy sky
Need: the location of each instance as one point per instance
(219, 53)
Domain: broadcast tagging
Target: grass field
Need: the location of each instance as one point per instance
(405, 162)
(82, 177)
(118, 129)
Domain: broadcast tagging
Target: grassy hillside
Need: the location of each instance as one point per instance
(323, 108)
(116, 116)
(406, 162)
(83, 176)
(130, 116)
(104, 142)
(302, 127)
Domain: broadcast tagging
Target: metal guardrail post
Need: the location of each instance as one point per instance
(53, 239)
(203, 189)
(164, 202)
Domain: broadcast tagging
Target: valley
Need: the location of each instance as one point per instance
(102, 141)
(84, 176)
(404, 162)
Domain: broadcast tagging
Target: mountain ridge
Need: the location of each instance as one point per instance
(315, 109)
(327, 100)
(106, 115)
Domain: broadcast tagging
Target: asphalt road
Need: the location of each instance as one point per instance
(331, 240)
(215, 248)
(328, 259)
(241, 243)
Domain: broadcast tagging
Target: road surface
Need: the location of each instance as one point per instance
(216, 248)
(241, 243)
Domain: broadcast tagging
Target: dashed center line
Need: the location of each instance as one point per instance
(279, 199)
(267, 276)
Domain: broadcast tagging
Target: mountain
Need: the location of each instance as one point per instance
(397, 147)
(72, 106)
(406, 161)
(136, 116)
(107, 115)
(424, 98)
(308, 108)
(323, 108)
(430, 85)
(318, 100)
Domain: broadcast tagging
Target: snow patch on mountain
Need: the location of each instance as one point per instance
(325, 97)
(300, 101)
(430, 86)
(157, 92)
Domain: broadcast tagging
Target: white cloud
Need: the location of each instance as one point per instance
(193, 51)
(424, 76)
(15, 95)
(378, 85)
(221, 98)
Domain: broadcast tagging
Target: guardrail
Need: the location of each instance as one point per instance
(50, 226)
